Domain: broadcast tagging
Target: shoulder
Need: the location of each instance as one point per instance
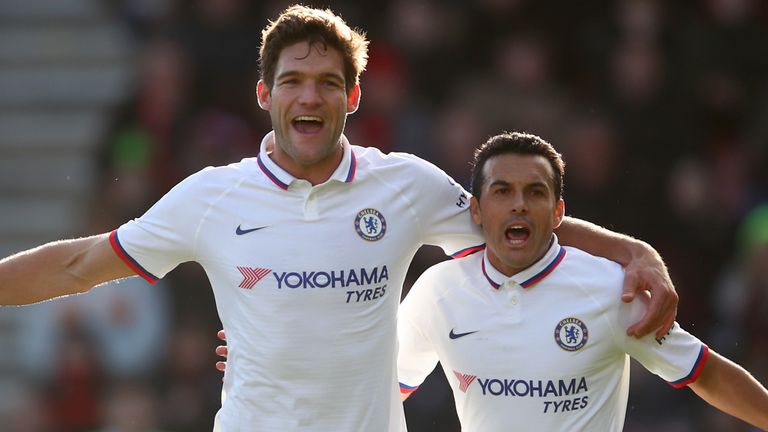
(220, 176)
(201, 189)
(590, 270)
(373, 158)
(588, 263)
(441, 277)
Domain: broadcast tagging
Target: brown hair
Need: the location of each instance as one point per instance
(517, 143)
(300, 23)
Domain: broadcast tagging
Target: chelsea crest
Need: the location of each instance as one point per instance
(370, 224)
(571, 334)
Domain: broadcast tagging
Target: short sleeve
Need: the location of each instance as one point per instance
(677, 358)
(163, 237)
(442, 206)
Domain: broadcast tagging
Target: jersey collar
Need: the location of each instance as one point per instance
(530, 276)
(344, 173)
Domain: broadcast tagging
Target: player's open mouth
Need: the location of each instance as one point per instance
(517, 234)
(307, 124)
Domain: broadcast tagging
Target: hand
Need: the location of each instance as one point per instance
(221, 351)
(647, 272)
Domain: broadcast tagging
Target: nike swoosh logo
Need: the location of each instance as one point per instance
(453, 335)
(240, 231)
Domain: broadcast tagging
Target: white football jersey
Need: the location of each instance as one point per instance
(543, 350)
(307, 279)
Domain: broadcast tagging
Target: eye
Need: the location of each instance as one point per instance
(332, 84)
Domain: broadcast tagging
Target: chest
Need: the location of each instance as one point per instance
(310, 246)
(521, 333)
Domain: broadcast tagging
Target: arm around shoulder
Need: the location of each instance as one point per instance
(644, 269)
(59, 269)
(731, 389)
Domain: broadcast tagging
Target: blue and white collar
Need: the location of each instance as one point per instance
(344, 173)
(530, 276)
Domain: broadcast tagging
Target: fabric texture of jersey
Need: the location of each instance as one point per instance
(307, 279)
(545, 349)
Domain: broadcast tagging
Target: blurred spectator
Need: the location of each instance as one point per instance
(740, 303)
(640, 20)
(138, 158)
(125, 324)
(214, 138)
(386, 98)
(222, 39)
(595, 176)
(754, 243)
(72, 396)
(191, 387)
(741, 300)
(130, 407)
(425, 34)
(518, 93)
(28, 411)
(456, 130)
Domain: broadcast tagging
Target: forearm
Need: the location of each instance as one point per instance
(53, 270)
(731, 389)
(599, 241)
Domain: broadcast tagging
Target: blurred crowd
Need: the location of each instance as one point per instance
(659, 108)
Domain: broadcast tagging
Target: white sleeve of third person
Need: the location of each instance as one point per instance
(416, 357)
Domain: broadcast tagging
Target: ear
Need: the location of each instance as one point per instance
(559, 213)
(474, 210)
(262, 94)
(353, 99)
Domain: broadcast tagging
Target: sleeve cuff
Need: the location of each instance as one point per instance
(406, 390)
(467, 251)
(135, 266)
(695, 371)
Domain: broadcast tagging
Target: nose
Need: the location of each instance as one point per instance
(310, 93)
(517, 203)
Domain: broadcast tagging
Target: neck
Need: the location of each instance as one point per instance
(509, 269)
(314, 172)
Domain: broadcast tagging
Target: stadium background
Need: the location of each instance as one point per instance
(660, 108)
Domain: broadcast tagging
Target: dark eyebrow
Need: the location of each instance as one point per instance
(538, 184)
(293, 73)
(498, 183)
(287, 74)
(503, 183)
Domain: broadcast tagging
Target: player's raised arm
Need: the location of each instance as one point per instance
(645, 271)
(731, 389)
(58, 269)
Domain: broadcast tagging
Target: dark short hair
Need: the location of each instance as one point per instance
(300, 23)
(517, 143)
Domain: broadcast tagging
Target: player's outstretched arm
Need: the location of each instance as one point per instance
(58, 269)
(644, 271)
(731, 389)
